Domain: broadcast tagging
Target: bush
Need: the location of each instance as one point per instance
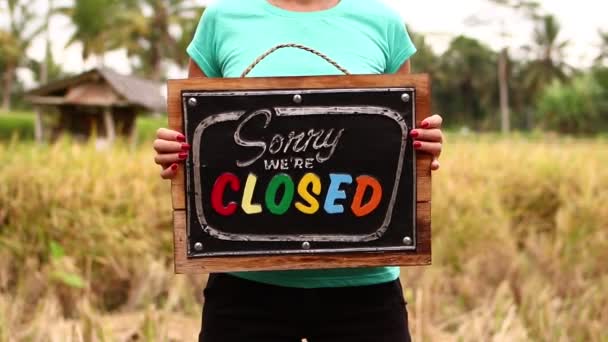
(575, 107)
(16, 124)
(20, 126)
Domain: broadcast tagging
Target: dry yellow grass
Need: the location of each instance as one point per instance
(520, 242)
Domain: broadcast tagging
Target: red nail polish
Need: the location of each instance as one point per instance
(185, 147)
(415, 134)
(174, 167)
(183, 155)
(181, 138)
(424, 124)
(417, 144)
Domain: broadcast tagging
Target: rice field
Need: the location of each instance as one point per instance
(520, 244)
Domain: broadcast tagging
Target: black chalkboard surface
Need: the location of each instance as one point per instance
(300, 173)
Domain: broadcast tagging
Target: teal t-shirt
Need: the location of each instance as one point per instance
(363, 36)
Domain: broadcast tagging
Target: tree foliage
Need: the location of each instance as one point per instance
(547, 63)
(147, 30)
(94, 25)
(602, 57)
(472, 83)
(465, 81)
(14, 42)
(575, 107)
(152, 32)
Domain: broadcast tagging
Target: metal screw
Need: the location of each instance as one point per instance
(407, 241)
(405, 97)
(297, 99)
(306, 245)
(192, 102)
(198, 247)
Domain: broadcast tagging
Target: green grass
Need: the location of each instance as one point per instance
(19, 125)
(147, 126)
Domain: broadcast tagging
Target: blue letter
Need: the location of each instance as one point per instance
(334, 193)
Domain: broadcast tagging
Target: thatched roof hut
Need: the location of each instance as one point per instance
(99, 102)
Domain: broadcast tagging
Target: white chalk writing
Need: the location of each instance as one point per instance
(322, 141)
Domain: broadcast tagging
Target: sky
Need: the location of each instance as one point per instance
(442, 19)
(439, 20)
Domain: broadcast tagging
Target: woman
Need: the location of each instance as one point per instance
(364, 37)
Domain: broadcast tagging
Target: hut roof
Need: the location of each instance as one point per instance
(128, 90)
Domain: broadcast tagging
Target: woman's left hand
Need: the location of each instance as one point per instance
(429, 138)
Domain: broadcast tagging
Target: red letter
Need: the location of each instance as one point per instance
(362, 183)
(217, 194)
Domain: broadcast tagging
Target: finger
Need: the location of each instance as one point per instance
(171, 135)
(166, 146)
(170, 172)
(435, 165)
(431, 135)
(434, 121)
(170, 158)
(433, 148)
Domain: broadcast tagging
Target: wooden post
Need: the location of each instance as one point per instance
(133, 134)
(503, 83)
(108, 121)
(131, 125)
(38, 126)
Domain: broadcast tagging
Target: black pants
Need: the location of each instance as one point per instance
(240, 310)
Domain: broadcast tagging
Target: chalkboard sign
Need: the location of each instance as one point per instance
(296, 177)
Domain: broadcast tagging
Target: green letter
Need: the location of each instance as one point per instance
(276, 182)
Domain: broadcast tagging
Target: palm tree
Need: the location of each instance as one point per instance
(145, 30)
(548, 56)
(469, 75)
(10, 53)
(529, 9)
(603, 56)
(46, 70)
(14, 42)
(188, 27)
(48, 61)
(94, 23)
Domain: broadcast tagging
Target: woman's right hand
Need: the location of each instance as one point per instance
(171, 150)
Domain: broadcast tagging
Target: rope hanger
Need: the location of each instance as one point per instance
(297, 46)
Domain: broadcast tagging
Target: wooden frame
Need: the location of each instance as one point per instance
(422, 255)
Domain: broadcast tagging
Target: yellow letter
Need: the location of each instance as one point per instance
(248, 207)
(312, 205)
